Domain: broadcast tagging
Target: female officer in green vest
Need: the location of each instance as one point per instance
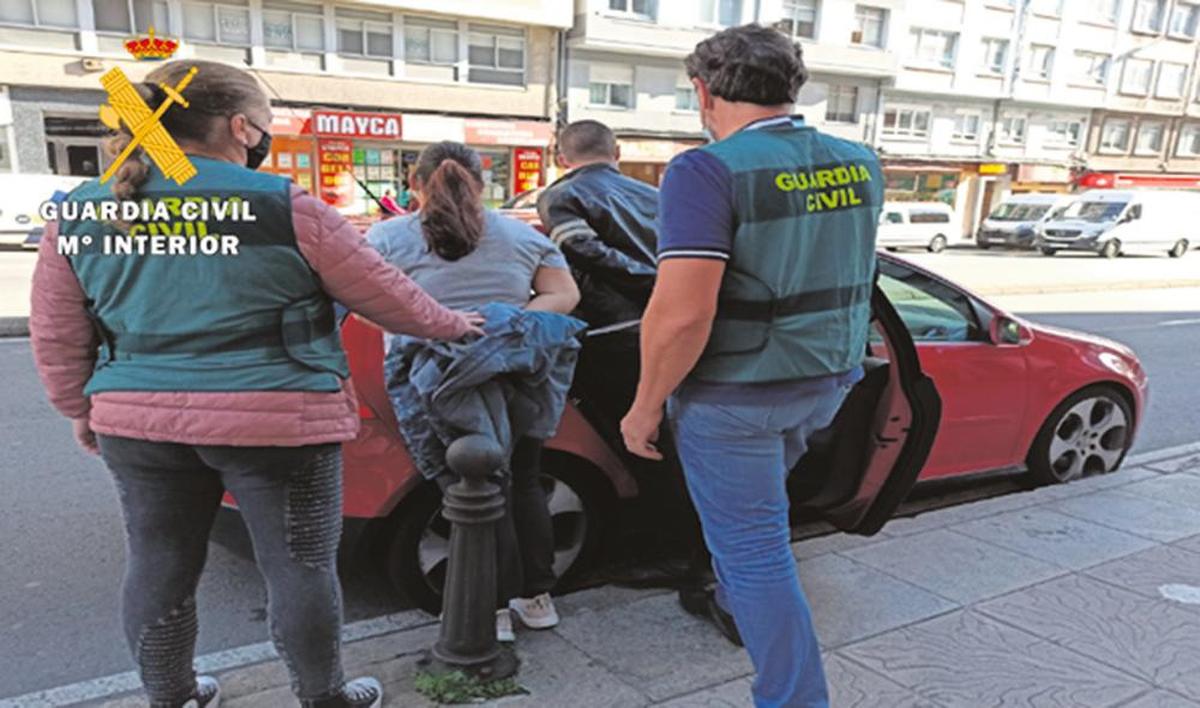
(194, 374)
(756, 330)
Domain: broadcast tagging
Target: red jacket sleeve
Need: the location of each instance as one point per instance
(356, 275)
(64, 341)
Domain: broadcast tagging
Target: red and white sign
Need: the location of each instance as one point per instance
(527, 169)
(1109, 180)
(335, 165)
(481, 131)
(347, 124)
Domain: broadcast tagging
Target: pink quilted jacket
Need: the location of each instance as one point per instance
(353, 273)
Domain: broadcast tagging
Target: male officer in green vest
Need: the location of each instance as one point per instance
(756, 330)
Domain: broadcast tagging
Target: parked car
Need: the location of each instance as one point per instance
(1014, 222)
(925, 225)
(1009, 394)
(1112, 222)
(21, 197)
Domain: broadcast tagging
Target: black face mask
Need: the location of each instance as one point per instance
(255, 155)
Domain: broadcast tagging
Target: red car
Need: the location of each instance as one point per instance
(1005, 393)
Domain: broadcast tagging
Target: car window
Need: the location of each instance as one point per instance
(929, 217)
(932, 311)
(894, 217)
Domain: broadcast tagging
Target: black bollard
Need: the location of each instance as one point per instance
(472, 505)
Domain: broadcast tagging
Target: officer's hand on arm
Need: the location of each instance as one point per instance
(675, 330)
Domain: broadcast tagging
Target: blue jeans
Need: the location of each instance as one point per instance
(736, 459)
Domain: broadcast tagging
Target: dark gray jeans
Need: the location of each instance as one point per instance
(291, 501)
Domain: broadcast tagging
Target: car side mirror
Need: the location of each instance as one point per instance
(1006, 331)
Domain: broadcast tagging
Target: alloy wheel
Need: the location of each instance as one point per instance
(1090, 438)
(567, 514)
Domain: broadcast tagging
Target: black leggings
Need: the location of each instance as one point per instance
(525, 536)
(291, 501)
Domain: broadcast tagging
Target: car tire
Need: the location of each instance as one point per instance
(938, 244)
(1179, 249)
(890, 249)
(1111, 249)
(1048, 251)
(1088, 433)
(417, 539)
(983, 246)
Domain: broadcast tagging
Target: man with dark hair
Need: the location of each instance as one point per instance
(604, 222)
(756, 330)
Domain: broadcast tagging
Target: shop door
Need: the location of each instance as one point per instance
(986, 202)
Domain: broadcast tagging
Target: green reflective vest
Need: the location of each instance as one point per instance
(795, 299)
(170, 318)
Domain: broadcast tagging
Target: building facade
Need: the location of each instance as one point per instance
(405, 72)
(1000, 96)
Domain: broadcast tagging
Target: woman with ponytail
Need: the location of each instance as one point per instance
(193, 375)
(473, 258)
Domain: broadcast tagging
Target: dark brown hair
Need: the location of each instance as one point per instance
(585, 139)
(451, 177)
(217, 91)
(749, 64)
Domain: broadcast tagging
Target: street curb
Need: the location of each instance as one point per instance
(1067, 288)
(14, 326)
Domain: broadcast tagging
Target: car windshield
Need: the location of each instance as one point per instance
(1095, 212)
(1019, 212)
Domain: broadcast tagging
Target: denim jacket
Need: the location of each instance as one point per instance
(510, 383)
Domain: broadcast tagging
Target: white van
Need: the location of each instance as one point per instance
(1110, 222)
(1015, 220)
(21, 196)
(925, 225)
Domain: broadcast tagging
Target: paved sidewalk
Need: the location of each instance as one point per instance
(1080, 595)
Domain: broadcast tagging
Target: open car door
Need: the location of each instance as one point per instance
(859, 469)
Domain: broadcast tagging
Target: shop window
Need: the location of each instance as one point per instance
(1136, 77)
(870, 24)
(722, 13)
(1184, 18)
(640, 8)
(610, 86)
(995, 55)
(1041, 61)
(686, 99)
(83, 160)
(842, 104)
(293, 27)
(40, 13)
(966, 127)
(1012, 130)
(1091, 68)
(1172, 80)
(217, 23)
(934, 47)
(799, 19)
(496, 55)
(1148, 15)
(917, 216)
(1151, 135)
(496, 172)
(906, 122)
(900, 182)
(1115, 136)
(129, 16)
(1064, 133)
(430, 41)
(1189, 141)
(364, 34)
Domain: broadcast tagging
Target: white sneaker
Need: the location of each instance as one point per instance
(536, 612)
(207, 695)
(504, 627)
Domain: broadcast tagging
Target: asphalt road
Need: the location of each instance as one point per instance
(61, 543)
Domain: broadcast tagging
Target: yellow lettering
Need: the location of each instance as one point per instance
(864, 175)
(823, 177)
(810, 202)
(785, 182)
(137, 230)
(842, 174)
(852, 197)
(828, 200)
